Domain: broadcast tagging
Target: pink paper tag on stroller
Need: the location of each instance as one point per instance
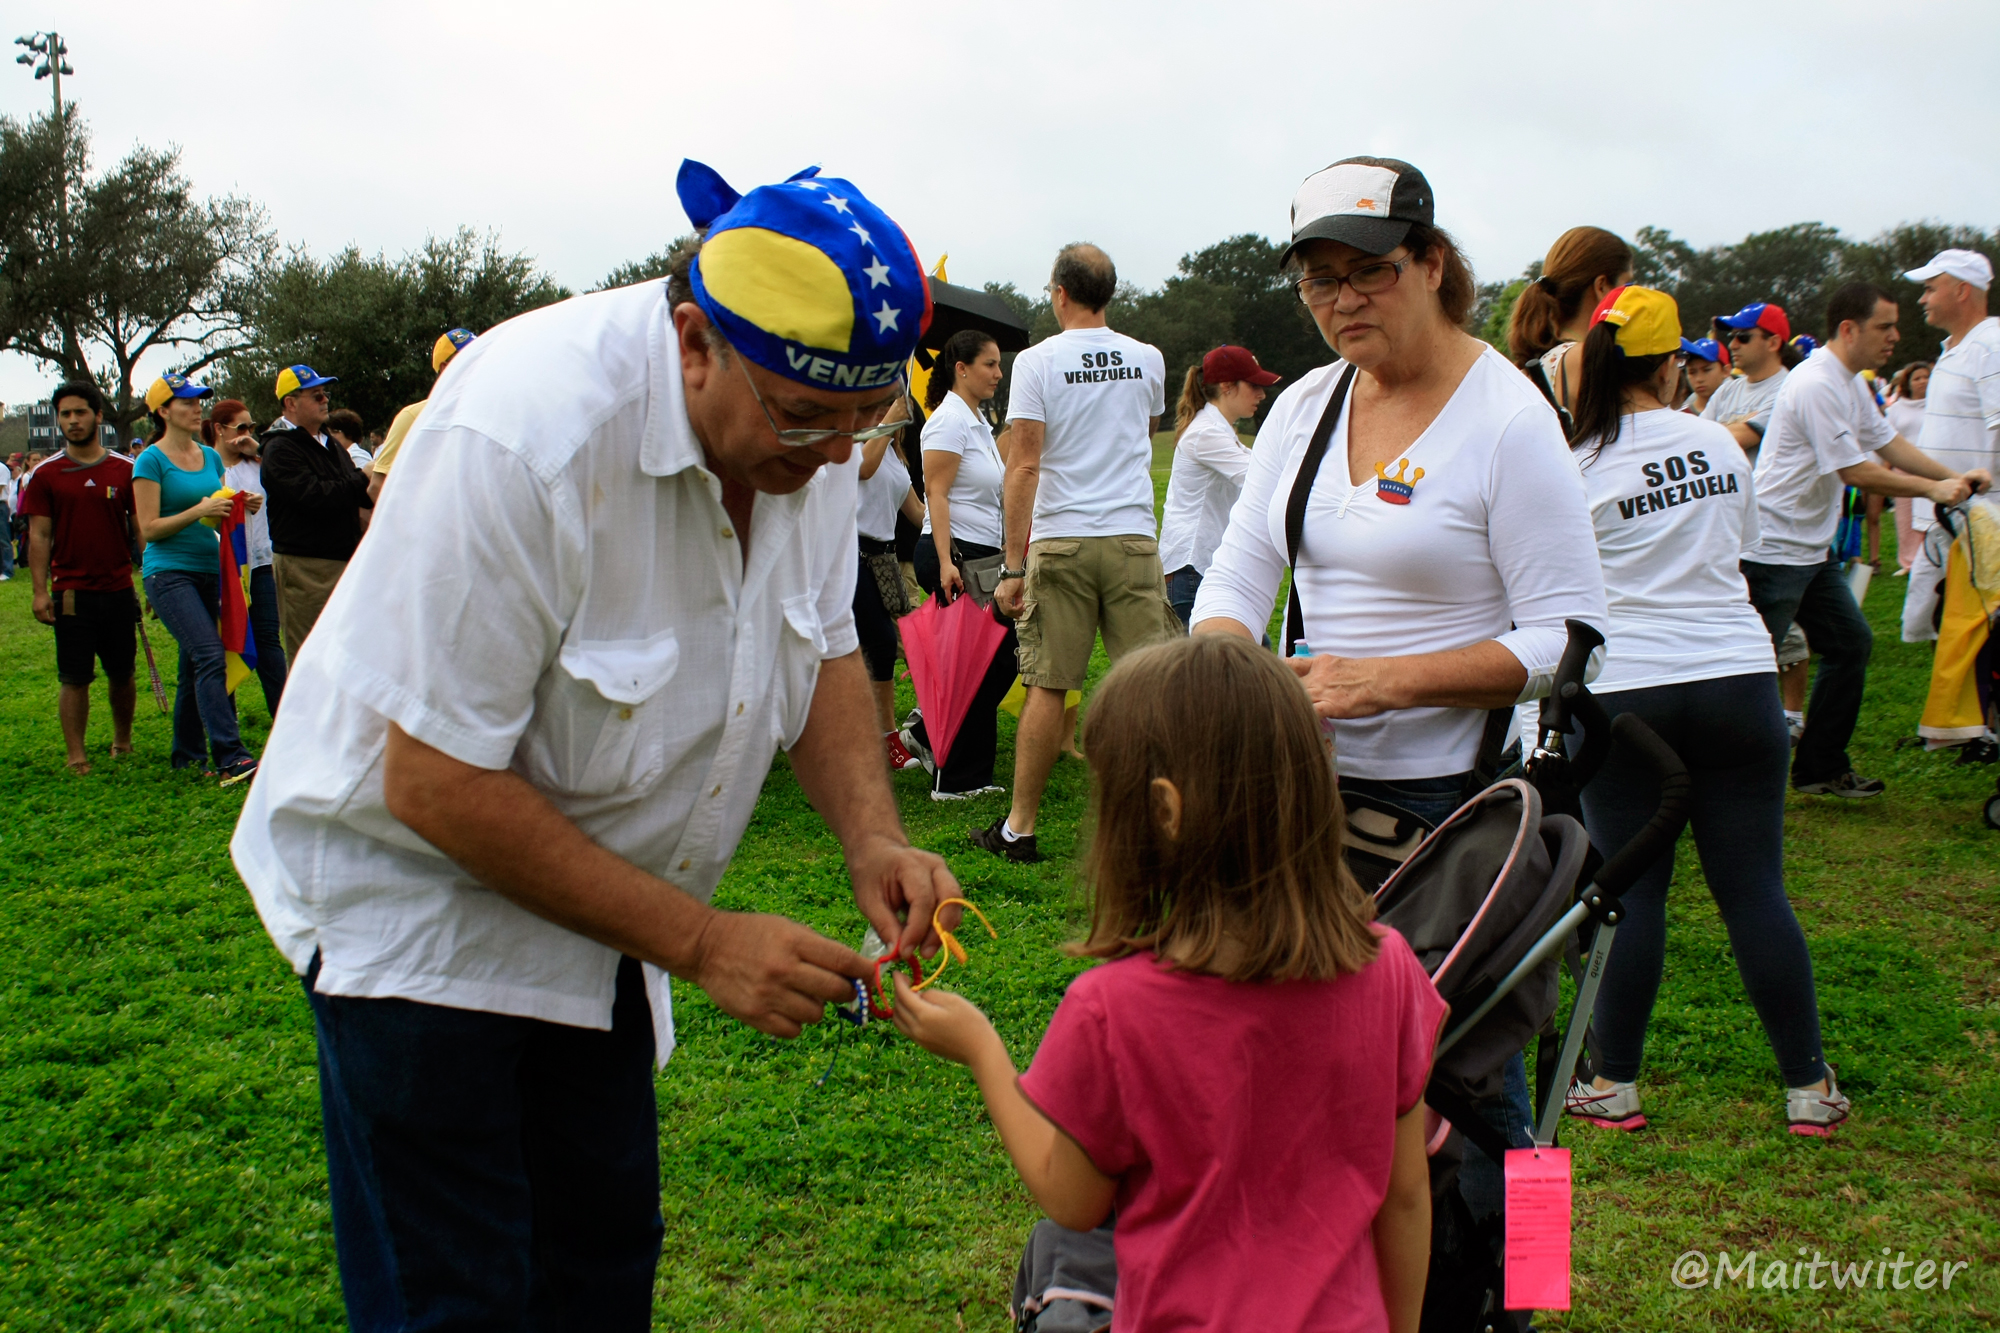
(1538, 1221)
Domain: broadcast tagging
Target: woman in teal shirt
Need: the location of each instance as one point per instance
(173, 489)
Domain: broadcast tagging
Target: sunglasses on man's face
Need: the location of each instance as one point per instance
(1744, 335)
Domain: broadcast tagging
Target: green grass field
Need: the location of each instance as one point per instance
(160, 1160)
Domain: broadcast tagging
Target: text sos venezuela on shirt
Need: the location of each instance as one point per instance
(1678, 481)
(1099, 367)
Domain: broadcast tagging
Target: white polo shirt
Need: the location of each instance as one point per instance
(1209, 466)
(1494, 541)
(1961, 424)
(558, 591)
(1095, 391)
(1824, 419)
(974, 498)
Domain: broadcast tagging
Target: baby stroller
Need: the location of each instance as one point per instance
(1489, 901)
(1966, 664)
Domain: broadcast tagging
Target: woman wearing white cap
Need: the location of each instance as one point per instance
(1675, 511)
(1439, 537)
(1210, 463)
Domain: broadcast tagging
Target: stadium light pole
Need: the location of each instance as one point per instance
(51, 50)
(53, 53)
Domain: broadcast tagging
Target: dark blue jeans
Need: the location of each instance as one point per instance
(1730, 732)
(270, 643)
(490, 1172)
(204, 717)
(1182, 585)
(1816, 596)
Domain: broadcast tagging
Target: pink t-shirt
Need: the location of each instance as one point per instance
(1250, 1127)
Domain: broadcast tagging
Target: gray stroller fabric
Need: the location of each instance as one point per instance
(1066, 1280)
(1472, 901)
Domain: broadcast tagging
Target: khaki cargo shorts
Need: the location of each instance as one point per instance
(1079, 586)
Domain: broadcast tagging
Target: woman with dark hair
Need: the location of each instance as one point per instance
(963, 472)
(1674, 510)
(230, 432)
(176, 491)
(1209, 466)
(1552, 313)
(1906, 413)
(1425, 500)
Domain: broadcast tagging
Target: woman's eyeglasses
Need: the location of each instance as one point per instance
(1368, 280)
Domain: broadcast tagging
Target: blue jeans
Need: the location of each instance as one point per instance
(1182, 585)
(1730, 732)
(270, 643)
(1816, 596)
(490, 1172)
(6, 547)
(187, 605)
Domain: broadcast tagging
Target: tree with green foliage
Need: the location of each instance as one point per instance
(372, 321)
(98, 272)
(654, 265)
(1884, 260)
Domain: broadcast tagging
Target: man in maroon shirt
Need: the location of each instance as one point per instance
(80, 523)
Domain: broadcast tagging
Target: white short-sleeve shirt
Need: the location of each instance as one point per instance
(1962, 405)
(1096, 392)
(1741, 400)
(881, 496)
(1209, 466)
(1494, 542)
(954, 428)
(1674, 508)
(1824, 420)
(555, 589)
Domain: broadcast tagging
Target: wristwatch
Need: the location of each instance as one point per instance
(1006, 573)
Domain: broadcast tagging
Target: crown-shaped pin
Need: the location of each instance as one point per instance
(1395, 490)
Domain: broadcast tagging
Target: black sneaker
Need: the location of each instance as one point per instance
(1984, 750)
(237, 773)
(991, 839)
(1848, 785)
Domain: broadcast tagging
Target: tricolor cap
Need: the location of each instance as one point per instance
(1965, 265)
(1229, 363)
(1760, 315)
(1804, 345)
(449, 346)
(1648, 321)
(1708, 349)
(806, 278)
(174, 386)
(297, 379)
(1366, 202)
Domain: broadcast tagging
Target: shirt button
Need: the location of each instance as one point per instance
(686, 864)
(717, 791)
(625, 714)
(729, 532)
(739, 710)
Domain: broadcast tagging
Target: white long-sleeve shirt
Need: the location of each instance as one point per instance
(1209, 466)
(1495, 542)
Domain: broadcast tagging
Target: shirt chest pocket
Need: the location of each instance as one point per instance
(601, 727)
(801, 646)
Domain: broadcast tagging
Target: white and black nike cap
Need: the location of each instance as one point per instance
(1366, 202)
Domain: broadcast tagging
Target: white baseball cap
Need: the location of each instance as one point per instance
(1965, 265)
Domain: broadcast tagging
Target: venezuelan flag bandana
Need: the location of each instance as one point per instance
(806, 278)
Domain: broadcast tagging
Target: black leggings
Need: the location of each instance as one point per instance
(1730, 732)
(970, 764)
(872, 621)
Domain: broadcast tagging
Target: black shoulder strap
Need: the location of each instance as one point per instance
(1295, 506)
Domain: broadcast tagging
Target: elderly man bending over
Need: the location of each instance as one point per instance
(499, 797)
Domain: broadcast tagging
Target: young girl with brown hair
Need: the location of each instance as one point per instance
(1242, 1077)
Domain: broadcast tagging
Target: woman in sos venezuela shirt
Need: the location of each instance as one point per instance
(1674, 509)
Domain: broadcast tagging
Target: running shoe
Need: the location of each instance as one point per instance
(920, 751)
(1810, 1111)
(1848, 785)
(900, 759)
(993, 839)
(1615, 1107)
(967, 795)
(1795, 727)
(1982, 750)
(242, 772)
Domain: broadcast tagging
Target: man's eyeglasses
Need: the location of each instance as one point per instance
(1367, 280)
(1744, 335)
(809, 435)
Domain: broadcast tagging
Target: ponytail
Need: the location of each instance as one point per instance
(1600, 392)
(1579, 257)
(1195, 395)
(962, 347)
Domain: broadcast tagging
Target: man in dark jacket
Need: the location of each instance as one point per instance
(316, 496)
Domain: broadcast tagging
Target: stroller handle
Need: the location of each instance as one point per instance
(1583, 641)
(1664, 828)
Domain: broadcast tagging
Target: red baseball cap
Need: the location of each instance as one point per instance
(1760, 315)
(1229, 362)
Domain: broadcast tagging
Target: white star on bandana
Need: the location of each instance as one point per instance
(836, 203)
(809, 185)
(886, 317)
(878, 273)
(862, 232)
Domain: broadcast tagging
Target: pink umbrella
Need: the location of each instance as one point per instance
(949, 649)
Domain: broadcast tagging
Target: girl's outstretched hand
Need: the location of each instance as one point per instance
(945, 1024)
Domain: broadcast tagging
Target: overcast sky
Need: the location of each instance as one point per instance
(998, 132)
